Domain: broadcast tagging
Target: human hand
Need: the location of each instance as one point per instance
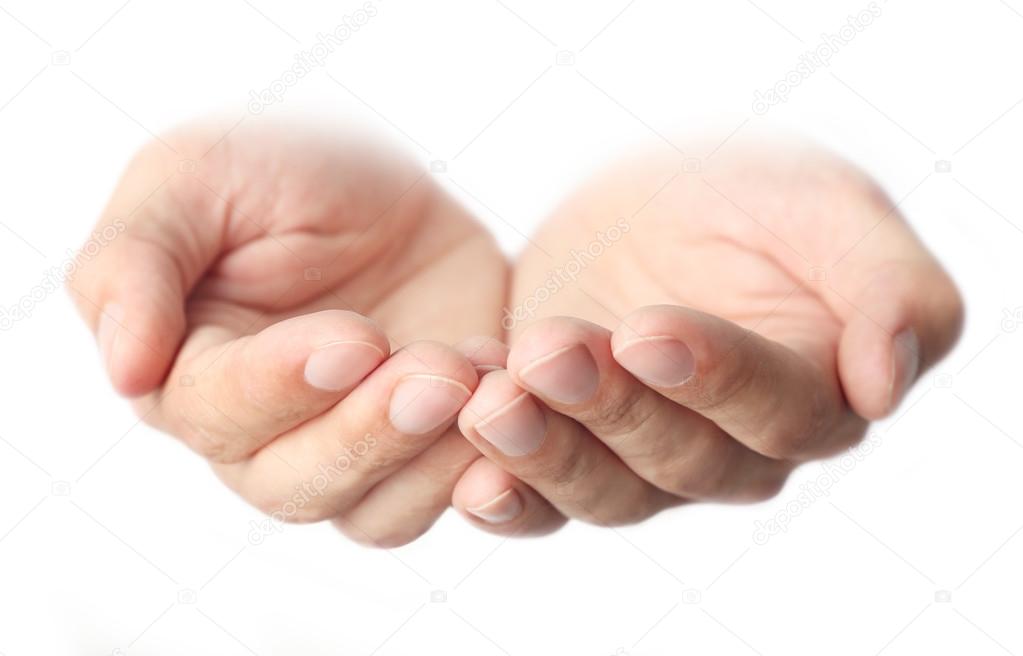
(691, 336)
(233, 304)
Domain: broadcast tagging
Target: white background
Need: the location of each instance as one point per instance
(115, 537)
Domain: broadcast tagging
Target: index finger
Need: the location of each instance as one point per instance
(766, 395)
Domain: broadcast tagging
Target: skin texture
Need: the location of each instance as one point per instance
(805, 303)
(313, 315)
(268, 243)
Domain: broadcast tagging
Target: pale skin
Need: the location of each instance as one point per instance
(319, 320)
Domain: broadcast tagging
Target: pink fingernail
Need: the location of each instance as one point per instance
(568, 375)
(501, 509)
(340, 365)
(518, 428)
(659, 361)
(905, 364)
(422, 402)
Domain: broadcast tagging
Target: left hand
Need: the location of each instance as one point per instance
(725, 326)
(292, 306)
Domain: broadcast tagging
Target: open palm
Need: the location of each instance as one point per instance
(311, 313)
(705, 331)
(241, 255)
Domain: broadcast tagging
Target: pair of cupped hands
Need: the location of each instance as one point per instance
(314, 315)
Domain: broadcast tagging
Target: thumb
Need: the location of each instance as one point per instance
(903, 317)
(131, 289)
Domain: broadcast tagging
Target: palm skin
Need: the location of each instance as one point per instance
(787, 241)
(697, 239)
(312, 224)
(267, 228)
(270, 225)
(695, 335)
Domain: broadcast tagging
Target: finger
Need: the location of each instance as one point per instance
(323, 467)
(775, 401)
(555, 455)
(497, 502)
(900, 310)
(132, 290)
(904, 317)
(567, 362)
(233, 398)
(406, 504)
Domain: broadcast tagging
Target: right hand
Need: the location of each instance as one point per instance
(744, 320)
(254, 301)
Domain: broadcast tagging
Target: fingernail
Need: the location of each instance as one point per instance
(501, 509)
(106, 332)
(517, 428)
(340, 365)
(660, 361)
(905, 364)
(568, 375)
(421, 402)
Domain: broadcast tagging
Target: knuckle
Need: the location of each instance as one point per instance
(798, 430)
(263, 395)
(565, 473)
(620, 413)
(698, 471)
(200, 430)
(708, 472)
(201, 440)
(586, 501)
(717, 390)
(388, 454)
(780, 442)
(617, 514)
